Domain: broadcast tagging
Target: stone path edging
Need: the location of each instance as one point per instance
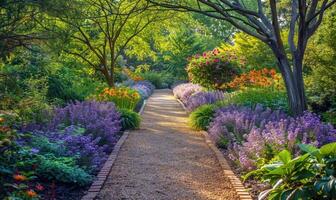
(235, 181)
(105, 170)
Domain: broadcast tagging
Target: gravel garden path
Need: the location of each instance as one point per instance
(165, 159)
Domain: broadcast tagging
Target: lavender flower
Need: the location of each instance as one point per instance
(201, 98)
(100, 119)
(259, 134)
(70, 142)
(145, 88)
(184, 91)
(235, 122)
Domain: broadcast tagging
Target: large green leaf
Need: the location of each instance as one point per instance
(328, 149)
(285, 156)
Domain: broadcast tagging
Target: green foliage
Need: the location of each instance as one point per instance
(62, 90)
(330, 116)
(62, 169)
(202, 116)
(212, 69)
(159, 79)
(129, 119)
(268, 97)
(308, 176)
(7, 135)
(320, 62)
(255, 53)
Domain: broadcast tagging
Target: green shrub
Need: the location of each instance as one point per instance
(159, 79)
(330, 117)
(62, 169)
(202, 116)
(268, 97)
(62, 90)
(129, 119)
(153, 77)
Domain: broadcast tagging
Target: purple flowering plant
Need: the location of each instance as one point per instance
(204, 97)
(255, 136)
(145, 88)
(71, 143)
(100, 119)
(185, 90)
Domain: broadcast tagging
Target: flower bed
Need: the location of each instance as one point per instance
(255, 137)
(60, 159)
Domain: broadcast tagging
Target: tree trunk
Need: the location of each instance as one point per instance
(110, 80)
(295, 88)
(108, 77)
(293, 80)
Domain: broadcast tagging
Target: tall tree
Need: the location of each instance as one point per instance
(101, 31)
(265, 20)
(17, 25)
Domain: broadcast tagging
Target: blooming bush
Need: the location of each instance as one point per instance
(185, 90)
(123, 97)
(201, 98)
(100, 119)
(213, 69)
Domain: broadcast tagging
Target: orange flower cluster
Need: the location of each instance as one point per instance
(121, 92)
(132, 75)
(256, 78)
(19, 177)
(31, 193)
(123, 97)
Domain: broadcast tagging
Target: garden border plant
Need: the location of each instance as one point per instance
(253, 135)
(105, 170)
(236, 183)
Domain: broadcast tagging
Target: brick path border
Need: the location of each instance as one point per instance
(235, 181)
(105, 170)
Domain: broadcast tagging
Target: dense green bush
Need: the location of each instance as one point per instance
(62, 169)
(202, 116)
(154, 78)
(268, 97)
(62, 90)
(159, 79)
(129, 119)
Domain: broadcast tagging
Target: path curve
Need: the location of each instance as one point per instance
(165, 159)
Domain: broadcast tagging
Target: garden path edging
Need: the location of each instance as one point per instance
(105, 170)
(235, 181)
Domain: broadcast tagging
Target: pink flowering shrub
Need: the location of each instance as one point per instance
(213, 69)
